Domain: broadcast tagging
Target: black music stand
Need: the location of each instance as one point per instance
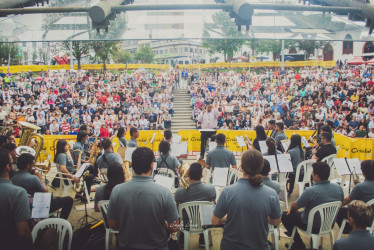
(86, 219)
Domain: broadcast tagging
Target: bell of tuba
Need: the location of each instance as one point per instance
(183, 173)
(28, 134)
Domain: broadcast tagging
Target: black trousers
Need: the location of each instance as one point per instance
(343, 214)
(205, 135)
(65, 203)
(292, 220)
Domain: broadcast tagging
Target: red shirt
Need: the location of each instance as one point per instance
(104, 132)
(65, 127)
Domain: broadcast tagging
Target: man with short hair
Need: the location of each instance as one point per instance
(33, 182)
(271, 127)
(280, 135)
(326, 149)
(320, 193)
(142, 210)
(220, 157)
(108, 157)
(134, 133)
(360, 216)
(208, 122)
(267, 181)
(14, 209)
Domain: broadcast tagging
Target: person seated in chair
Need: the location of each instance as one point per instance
(32, 181)
(320, 193)
(326, 149)
(108, 157)
(267, 181)
(360, 216)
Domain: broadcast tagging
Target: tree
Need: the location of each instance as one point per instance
(104, 50)
(80, 48)
(9, 49)
(267, 46)
(144, 55)
(308, 46)
(122, 57)
(225, 28)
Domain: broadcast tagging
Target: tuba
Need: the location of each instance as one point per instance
(28, 134)
(4, 130)
(183, 173)
(95, 150)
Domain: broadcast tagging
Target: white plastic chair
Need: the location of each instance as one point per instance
(330, 161)
(63, 185)
(328, 214)
(307, 166)
(274, 231)
(103, 206)
(193, 211)
(61, 225)
(282, 179)
(167, 172)
(232, 172)
(344, 222)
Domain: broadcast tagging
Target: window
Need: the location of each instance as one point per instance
(161, 51)
(185, 49)
(191, 50)
(201, 51)
(348, 45)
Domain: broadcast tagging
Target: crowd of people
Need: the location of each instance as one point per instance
(298, 98)
(60, 101)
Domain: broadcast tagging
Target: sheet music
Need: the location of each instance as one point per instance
(207, 130)
(284, 163)
(220, 176)
(153, 138)
(176, 138)
(128, 154)
(355, 165)
(240, 141)
(263, 146)
(164, 181)
(285, 144)
(80, 171)
(246, 137)
(206, 214)
(212, 145)
(273, 163)
(179, 148)
(341, 166)
(41, 205)
(305, 142)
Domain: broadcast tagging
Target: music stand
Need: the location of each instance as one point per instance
(86, 219)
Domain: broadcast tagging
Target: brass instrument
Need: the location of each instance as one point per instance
(78, 187)
(28, 134)
(4, 130)
(127, 171)
(95, 150)
(183, 170)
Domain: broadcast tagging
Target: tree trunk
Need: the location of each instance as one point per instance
(104, 62)
(225, 56)
(79, 62)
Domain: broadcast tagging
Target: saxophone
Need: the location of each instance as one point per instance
(95, 150)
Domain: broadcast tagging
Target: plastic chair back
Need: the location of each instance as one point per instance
(62, 227)
(371, 228)
(328, 212)
(233, 173)
(193, 211)
(307, 167)
(166, 172)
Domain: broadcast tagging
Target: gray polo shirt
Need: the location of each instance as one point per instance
(320, 193)
(196, 192)
(123, 141)
(170, 160)
(63, 159)
(132, 143)
(295, 157)
(99, 194)
(220, 157)
(110, 157)
(29, 182)
(363, 191)
(79, 146)
(247, 209)
(14, 207)
(279, 137)
(274, 185)
(140, 207)
(357, 239)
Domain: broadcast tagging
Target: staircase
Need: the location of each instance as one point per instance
(182, 112)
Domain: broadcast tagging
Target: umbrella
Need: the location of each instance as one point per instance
(262, 58)
(243, 58)
(356, 61)
(371, 61)
(39, 79)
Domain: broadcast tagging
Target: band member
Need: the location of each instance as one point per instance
(279, 136)
(121, 137)
(134, 133)
(78, 147)
(220, 157)
(271, 127)
(207, 120)
(66, 166)
(115, 176)
(15, 212)
(326, 148)
(266, 179)
(32, 181)
(87, 143)
(108, 157)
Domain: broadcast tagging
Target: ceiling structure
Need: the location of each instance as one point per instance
(170, 20)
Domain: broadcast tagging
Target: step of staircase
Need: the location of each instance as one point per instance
(182, 111)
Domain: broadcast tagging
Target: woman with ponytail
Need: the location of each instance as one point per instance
(247, 207)
(115, 176)
(297, 155)
(272, 147)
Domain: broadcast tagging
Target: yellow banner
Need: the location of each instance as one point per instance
(272, 64)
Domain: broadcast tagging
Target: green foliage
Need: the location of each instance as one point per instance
(144, 55)
(11, 49)
(309, 46)
(269, 46)
(80, 48)
(122, 56)
(104, 50)
(224, 27)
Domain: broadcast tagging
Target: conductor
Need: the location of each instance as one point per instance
(208, 122)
